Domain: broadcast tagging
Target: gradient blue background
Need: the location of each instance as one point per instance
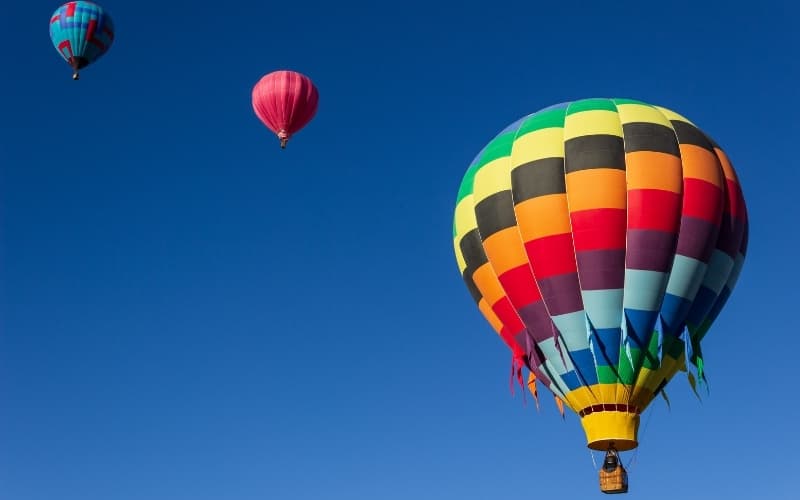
(189, 312)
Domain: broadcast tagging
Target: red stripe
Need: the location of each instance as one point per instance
(599, 229)
(55, 18)
(90, 29)
(511, 342)
(66, 45)
(654, 209)
(735, 200)
(520, 286)
(551, 255)
(702, 200)
(71, 9)
(506, 313)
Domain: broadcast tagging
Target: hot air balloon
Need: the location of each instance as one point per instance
(285, 101)
(81, 32)
(601, 238)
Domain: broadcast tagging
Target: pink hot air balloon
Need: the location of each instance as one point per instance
(285, 101)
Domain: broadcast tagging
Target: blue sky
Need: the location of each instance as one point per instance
(189, 312)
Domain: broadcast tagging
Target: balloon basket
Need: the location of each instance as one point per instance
(614, 482)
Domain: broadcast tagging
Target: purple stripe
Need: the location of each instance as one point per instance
(697, 238)
(535, 317)
(523, 338)
(601, 269)
(561, 293)
(650, 250)
(731, 233)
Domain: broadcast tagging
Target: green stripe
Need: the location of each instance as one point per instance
(467, 184)
(591, 105)
(651, 361)
(626, 370)
(606, 375)
(500, 147)
(549, 119)
(628, 101)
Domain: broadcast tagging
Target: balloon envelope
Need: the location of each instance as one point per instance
(81, 32)
(285, 101)
(601, 238)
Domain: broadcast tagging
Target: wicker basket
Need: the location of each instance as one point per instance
(615, 481)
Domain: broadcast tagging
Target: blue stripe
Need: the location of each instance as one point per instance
(674, 310)
(584, 363)
(641, 325)
(571, 380)
(605, 343)
(702, 304)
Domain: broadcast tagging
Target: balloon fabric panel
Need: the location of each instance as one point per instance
(81, 32)
(602, 229)
(285, 101)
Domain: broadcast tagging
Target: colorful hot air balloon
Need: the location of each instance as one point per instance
(81, 32)
(601, 238)
(285, 101)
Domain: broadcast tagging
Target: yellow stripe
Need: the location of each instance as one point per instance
(465, 216)
(544, 143)
(462, 263)
(592, 123)
(543, 216)
(649, 380)
(581, 397)
(630, 113)
(596, 188)
(492, 178)
(600, 393)
(671, 115)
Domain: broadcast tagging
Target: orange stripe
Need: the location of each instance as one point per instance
(543, 216)
(700, 163)
(504, 250)
(487, 283)
(596, 188)
(490, 316)
(727, 167)
(652, 170)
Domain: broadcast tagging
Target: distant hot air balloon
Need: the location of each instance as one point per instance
(601, 238)
(285, 101)
(81, 32)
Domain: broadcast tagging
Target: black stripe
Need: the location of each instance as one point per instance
(642, 136)
(538, 178)
(473, 289)
(689, 134)
(594, 151)
(472, 250)
(495, 213)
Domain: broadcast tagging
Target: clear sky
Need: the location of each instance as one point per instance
(189, 312)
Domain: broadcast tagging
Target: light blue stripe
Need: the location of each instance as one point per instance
(557, 385)
(603, 307)
(686, 276)
(644, 290)
(552, 355)
(573, 330)
(719, 269)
